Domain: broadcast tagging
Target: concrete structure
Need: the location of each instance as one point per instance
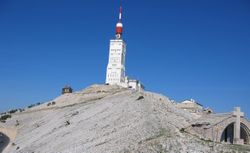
(237, 114)
(115, 74)
(228, 128)
(116, 65)
(134, 84)
(117, 51)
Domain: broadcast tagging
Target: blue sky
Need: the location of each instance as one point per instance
(182, 49)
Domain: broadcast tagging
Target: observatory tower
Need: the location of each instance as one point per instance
(117, 51)
(115, 74)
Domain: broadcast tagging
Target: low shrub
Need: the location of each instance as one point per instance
(140, 98)
(182, 130)
(30, 106)
(67, 123)
(13, 111)
(21, 110)
(17, 123)
(4, 118)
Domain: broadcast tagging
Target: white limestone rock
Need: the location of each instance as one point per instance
(106, 119)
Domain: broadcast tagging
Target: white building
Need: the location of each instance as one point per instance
(116, 65)
(115, 74)
(134, 84)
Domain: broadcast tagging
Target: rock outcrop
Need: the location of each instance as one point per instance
(108, 119)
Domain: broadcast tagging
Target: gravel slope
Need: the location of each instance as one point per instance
(108, 119)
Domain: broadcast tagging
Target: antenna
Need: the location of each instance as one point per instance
(119, 25)
(120, 13)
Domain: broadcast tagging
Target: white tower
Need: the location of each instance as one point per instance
(117, 50)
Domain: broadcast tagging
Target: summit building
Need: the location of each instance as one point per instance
(115, 74)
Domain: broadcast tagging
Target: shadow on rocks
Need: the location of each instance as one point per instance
(4, 141)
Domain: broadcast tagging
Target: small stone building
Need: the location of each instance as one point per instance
(134, 84)
(67, 89)
(191, 106)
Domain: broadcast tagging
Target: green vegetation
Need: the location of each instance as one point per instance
(182, 130)
(67, 123)
(140, 98)
(13, 111)
(17, 123)
(51, 103)
(4, 118)
(33, 105)
(21, 110)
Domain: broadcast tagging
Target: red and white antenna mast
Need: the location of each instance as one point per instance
(119, 25)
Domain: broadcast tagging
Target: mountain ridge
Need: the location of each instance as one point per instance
(104, 118)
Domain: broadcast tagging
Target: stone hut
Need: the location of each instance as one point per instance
(191, 106)
(67, 89)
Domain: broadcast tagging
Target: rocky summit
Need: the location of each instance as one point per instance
(106, 119)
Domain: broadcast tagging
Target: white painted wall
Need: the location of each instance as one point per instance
(116, 64)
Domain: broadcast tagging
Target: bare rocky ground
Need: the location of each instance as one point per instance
(108, 119)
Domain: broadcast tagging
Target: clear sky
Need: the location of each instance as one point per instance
(183, 49)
